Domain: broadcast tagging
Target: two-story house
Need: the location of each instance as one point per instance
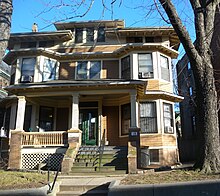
(97, 77)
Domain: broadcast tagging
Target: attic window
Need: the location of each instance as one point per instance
(134, 39)
(79, 35)
(89, 34)
(28, 44)
(46, 43)
(101, 34)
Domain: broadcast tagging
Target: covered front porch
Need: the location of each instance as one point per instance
(57, 118)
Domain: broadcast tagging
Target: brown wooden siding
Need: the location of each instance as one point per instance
(110, 69)
(67, 71)
(159, 85)
(112, 114)
(158, 140)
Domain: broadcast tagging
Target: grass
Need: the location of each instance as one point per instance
(168, 177)
(18, 180)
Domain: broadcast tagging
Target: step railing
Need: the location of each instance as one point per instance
(101, 149)
(52, 138)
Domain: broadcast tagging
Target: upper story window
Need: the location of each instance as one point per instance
(88, 70)
(27, 69)
(28, 44)
(164, 65)
(145, 66)
(134, 39)
(79, 35)
(148, 117)
(46, 43)
(89, 34)
(125, 68)
(101, 34)
(168, 118)
(49, 69)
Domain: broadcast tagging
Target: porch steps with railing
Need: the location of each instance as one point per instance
(113, 160)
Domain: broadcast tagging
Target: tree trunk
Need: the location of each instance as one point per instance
(208, 159)
(5, 25)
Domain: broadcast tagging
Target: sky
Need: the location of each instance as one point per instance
(136, 13)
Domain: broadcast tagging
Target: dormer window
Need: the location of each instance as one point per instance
(89, 34)
(79, 35)
(101, 34)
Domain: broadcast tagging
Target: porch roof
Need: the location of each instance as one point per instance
(76, 85)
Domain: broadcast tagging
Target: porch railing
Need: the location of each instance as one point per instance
(55, 138)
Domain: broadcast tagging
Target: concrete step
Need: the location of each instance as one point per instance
(98, 173)
(92, 169)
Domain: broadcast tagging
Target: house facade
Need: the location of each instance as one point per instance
(98, 77)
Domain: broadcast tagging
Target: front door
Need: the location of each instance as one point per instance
(88, 124)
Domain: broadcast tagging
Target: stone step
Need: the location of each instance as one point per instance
(98, 173)
(77, 193)
(83, 188)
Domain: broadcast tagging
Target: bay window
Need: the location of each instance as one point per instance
(164, 65)
(49, 70)
(145, 65)
(125, 68)
(148, 117)
(168, 118)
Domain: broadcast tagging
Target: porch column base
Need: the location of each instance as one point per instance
(15, 149)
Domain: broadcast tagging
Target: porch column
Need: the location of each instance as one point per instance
(20, 113)
(75, 111)
(134, 107)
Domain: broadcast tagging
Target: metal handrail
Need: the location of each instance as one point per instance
(101, 149)
(55, 178)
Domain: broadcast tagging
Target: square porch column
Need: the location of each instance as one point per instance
(134, 108)
(20, 113)
(75, 111)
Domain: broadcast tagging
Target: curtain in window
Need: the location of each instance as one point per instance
(148, 118)
(49, 70)
(145, 63)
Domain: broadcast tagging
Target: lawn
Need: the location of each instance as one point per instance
(172, 176)
(18, 180)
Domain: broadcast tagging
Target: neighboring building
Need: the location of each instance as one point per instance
(5, 71)
(94, 76)
(188, 143)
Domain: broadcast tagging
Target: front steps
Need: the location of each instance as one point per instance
(113, 160)
(87, 189)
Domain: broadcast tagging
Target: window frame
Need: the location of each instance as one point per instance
(79, 35)
(51, 72)
(125, 110)
(167, 68)
(149, 69)
(101, 34)
(168, 118)
(87, 70)
(154, 117)
(23, 72)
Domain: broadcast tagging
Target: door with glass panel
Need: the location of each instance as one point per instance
(88, 124)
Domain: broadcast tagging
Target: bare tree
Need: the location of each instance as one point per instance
(200, 57)
(5, 25)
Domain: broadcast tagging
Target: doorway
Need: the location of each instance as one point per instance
(88, 124)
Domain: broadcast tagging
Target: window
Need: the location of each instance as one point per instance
(79, 35)
(27, 118)
(168, 118)
(164, 64)
(154, 155)
(46, 118)
(134, 39)
(28, 44)
(88, 70)
(46, 43)
(89, 34)
(49, 70)
(148, 117)
(125, 68)
(101, 34)
(145, 65)
(125, 118)
(27, 68)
